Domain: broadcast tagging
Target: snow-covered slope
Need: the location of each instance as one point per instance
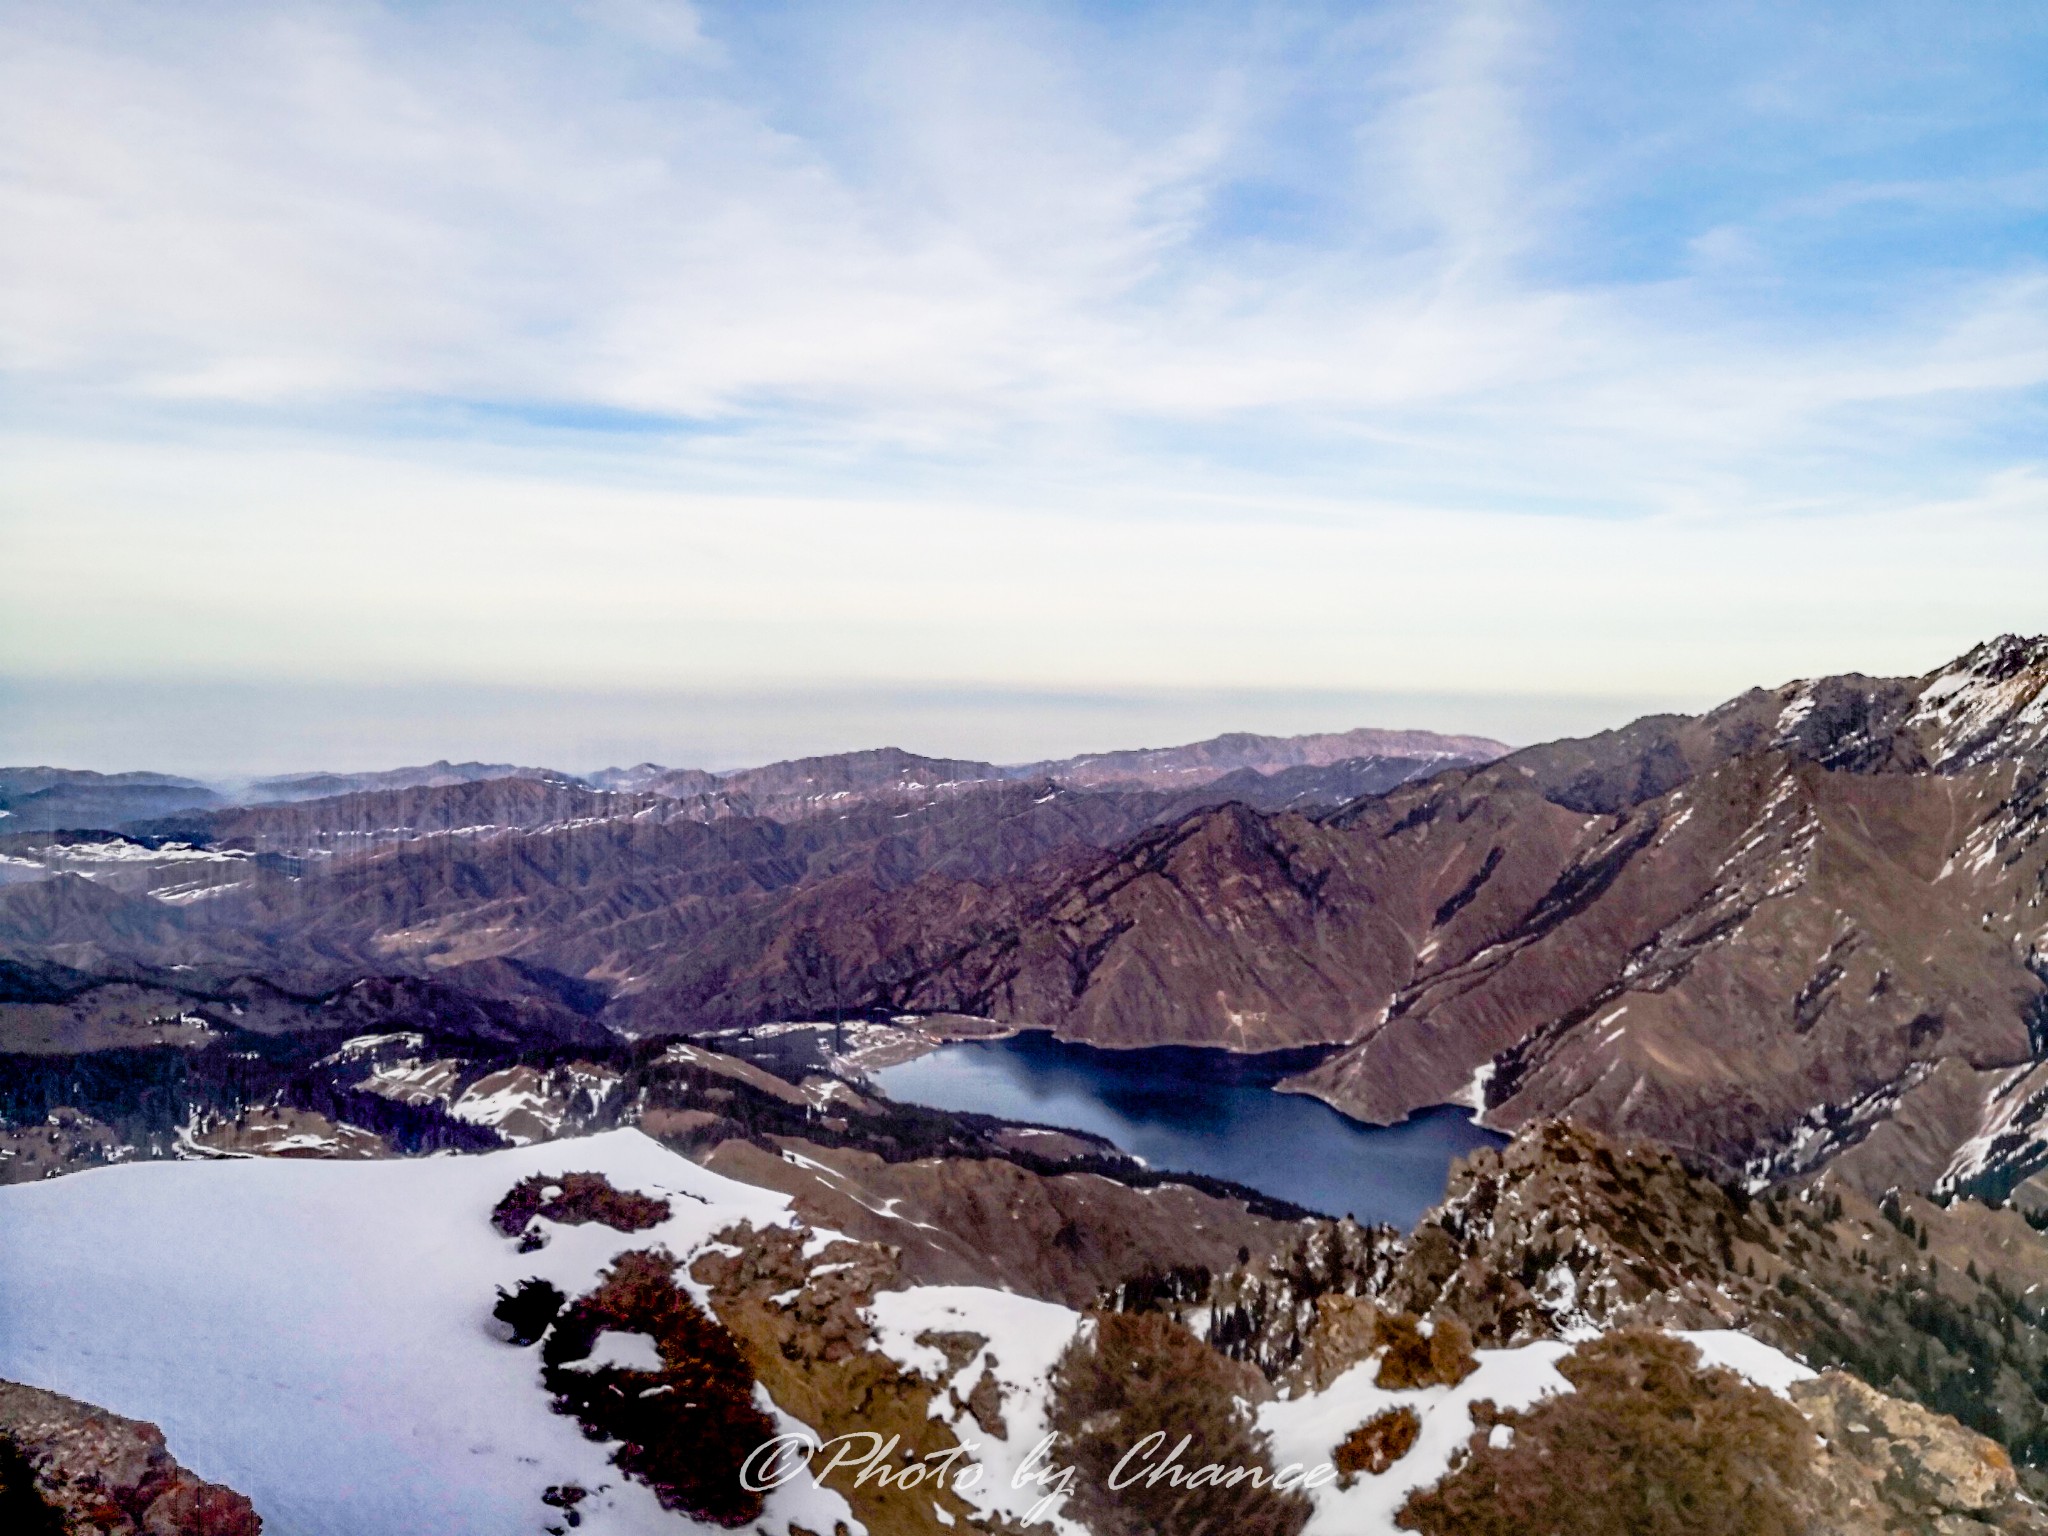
(319, 1335)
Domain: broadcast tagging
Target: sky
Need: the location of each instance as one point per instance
(631, 379)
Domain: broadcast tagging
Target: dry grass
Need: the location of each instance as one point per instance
(1443, 1357)
(1132, 1375)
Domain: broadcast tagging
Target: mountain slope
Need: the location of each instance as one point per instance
(1804, 926)
(436, 775)
(1762, 934)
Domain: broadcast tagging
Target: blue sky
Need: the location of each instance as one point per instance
(1499, 366)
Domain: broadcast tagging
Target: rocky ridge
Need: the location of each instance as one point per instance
(1566, 1234)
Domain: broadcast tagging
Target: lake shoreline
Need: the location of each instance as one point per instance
(1199, 1110)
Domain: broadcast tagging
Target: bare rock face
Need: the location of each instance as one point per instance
(1562, 1230)
(1894, 1466)
(105, 1473)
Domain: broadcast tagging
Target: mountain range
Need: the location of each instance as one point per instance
(1797, 930)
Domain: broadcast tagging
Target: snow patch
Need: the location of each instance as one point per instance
(319, 1334)
(1026, 1338)
(1308, 1430)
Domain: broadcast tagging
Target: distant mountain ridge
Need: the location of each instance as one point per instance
(1197, 762)
(328, 811)
(1806, 928)
(43, 799)
(818, 780)
(435, 775)
(798, 781)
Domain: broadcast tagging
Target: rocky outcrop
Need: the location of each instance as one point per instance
(105, 1473)
(1565, 1233)
(65, 1142)
(1653, 1440)
(802, 1324)
(1890, 1465)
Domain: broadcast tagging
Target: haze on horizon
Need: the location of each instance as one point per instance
(633, 379)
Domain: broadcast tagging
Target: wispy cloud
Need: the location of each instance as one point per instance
(1065, 306)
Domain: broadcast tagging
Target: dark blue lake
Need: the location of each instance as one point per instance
(1203, 1111)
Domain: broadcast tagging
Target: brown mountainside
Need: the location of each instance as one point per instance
(1800, 927)
(1801, 922)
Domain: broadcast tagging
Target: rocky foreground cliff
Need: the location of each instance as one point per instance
(70, 1469)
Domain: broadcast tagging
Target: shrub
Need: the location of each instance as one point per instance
(687, 1428)
(1648, 1445)
(1442, 1358)
(1377, 1444)
(1154, 1289)
(528, 1310)
(1132, 1375)
(575, 1198)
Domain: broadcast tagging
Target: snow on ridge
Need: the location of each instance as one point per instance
(121, 850)
(318, 1334)
(1750, 1358)
(1993, 702)
(2013, 1129)
(1307, 1430)
(358, 1046)
(1802, 704)
(521, 1103)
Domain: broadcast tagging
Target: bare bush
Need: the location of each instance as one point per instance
(575, 1198)
(685, 1429)
(1377, 1444)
